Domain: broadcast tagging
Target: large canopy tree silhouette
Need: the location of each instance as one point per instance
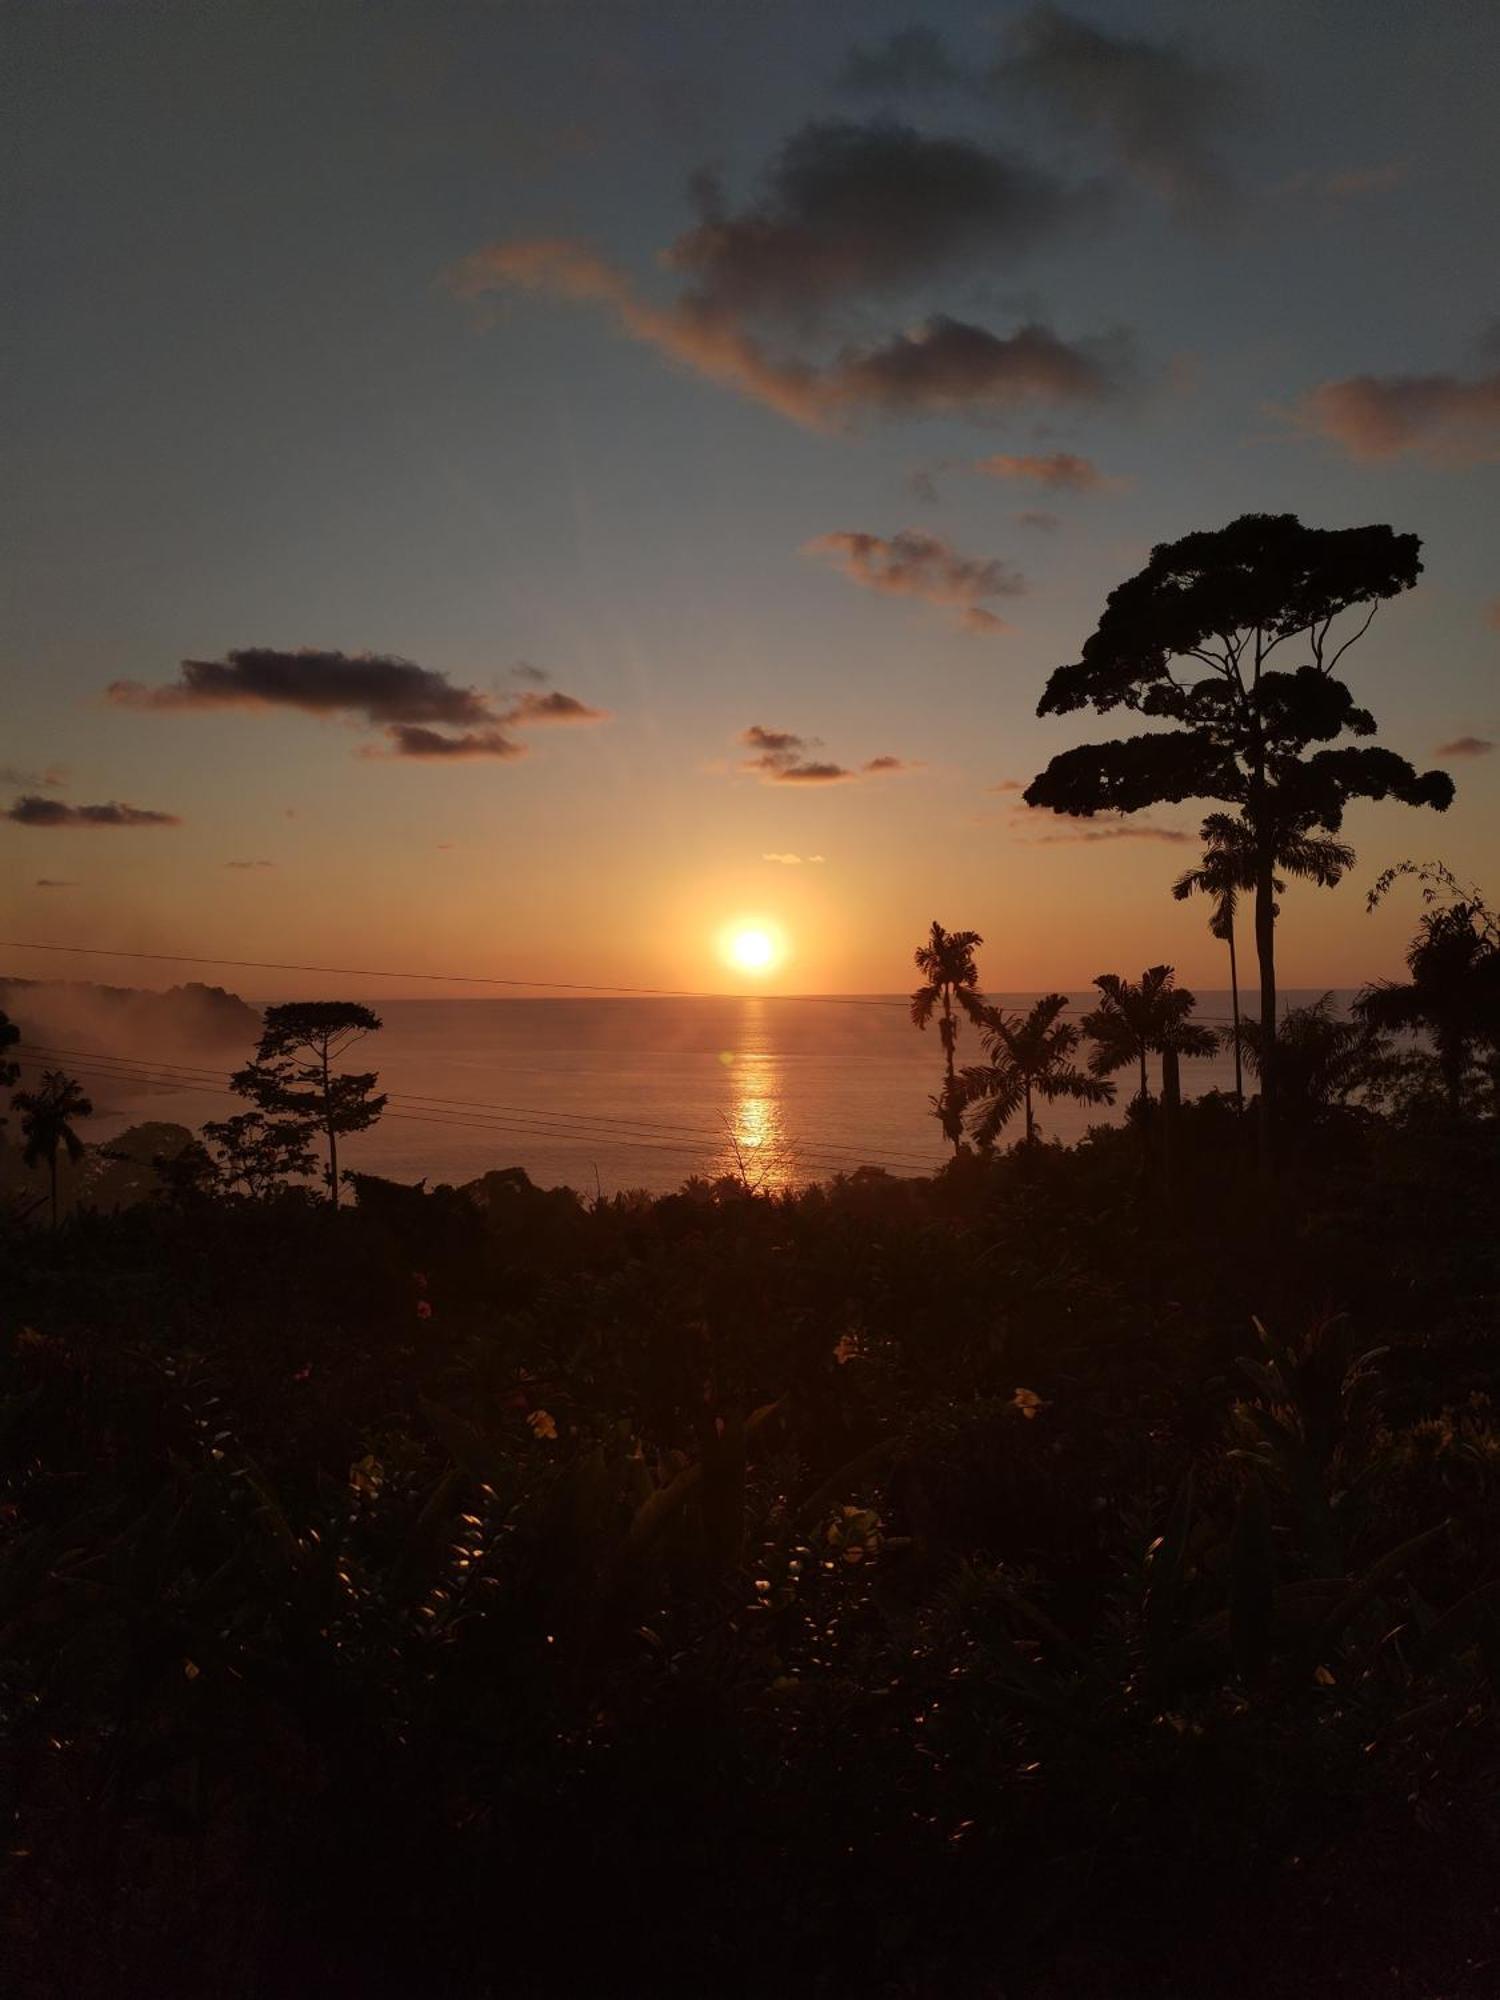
(1030, 1056)
(293, 1074)
(1187, 643)
(946, 963)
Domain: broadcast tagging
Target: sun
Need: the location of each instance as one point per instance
(752, 948)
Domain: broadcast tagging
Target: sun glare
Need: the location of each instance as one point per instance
(752, 948)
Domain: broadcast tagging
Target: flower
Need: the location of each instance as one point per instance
(543, 1424)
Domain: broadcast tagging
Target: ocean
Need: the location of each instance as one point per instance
(639, 1093)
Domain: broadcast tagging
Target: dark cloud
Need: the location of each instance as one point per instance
(784, 758)
(1160, 109)
(46, 882)
(948, 366)
(912, 564)
(410, 703)
(523, 670)
(1040, 519)
(1008, 785)
(1059, 470)
(1465, 746)
(1443, 417)
(922, 484)
(34, 811)
(909, 62)
(1346, 183)
(848, 214)
(381, 687)
(851, 211)
(249, 864)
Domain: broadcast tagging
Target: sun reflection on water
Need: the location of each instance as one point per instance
(757, 1148)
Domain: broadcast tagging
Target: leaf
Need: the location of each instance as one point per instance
(1252, 1583)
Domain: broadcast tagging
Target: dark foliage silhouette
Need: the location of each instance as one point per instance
(293, 1075)
(1030, 1056)
(1187, 640)
(1453, 994)
(946, 963)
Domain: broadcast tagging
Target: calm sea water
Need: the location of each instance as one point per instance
(642, 1093)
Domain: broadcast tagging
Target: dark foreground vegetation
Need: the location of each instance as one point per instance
(1041, 1580)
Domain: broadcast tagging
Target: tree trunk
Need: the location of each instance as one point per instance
(333, 1144)
(1265, 951)
(950, 1036)
(1234, 1009)
(1030, 1125)
(52, 1170)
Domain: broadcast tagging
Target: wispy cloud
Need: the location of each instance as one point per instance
(1341, 184)
(1089, 836)
(793, 860)
(34, 811)
(49, 882)
(1061, 471)
(249, 864)
(912, 564)
(1038, 518)
(1445, 418)
(28, 780)
(783, 758)
(1465, 746)
(412, 705)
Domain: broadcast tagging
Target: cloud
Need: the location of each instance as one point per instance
(411, 704)
(1007, 785)
(47, 882)
(1061, 471)
(784, 758)
(922, 484)
(249, 864)
(55, 774)
(912, 564)
(1492, 614)
(1465, 746)
(523, 670)
(1159, 108)
(912, 60)
(859, 210)
(34, 811)
(1039, 518)
(1124, 830)
(793, 860)
(1443, 417)
(848, 214)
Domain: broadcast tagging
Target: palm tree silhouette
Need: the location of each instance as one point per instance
(946, 962)
(1321, 1060)
(46, 1123)
(1134, 1020)
(1453, 993)
(1029, 1057)
(1229, 868)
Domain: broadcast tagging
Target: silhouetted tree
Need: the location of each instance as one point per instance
(1133, 1021)
(1187, 640)
(1453, 994)
(293, 1074)
(47, 1115)
(1030, 1056)
(256, 1155)
(946, 963)
(1228, 869)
